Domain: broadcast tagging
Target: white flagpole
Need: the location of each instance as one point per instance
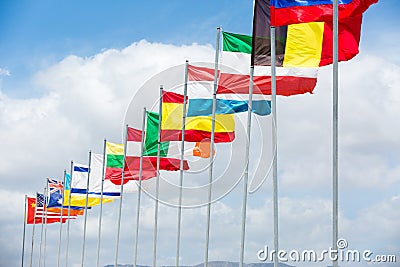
(23, 235)
(139, 186)
(157, 181)
(86, 208)
(210, 179)
(41, 230)
(275, 142)
(181, 163)
(101, 203)
(69, 212)
(61, 223)
(246, 171)
(335, 120)
(33, 232)
(122, 191)
(45, 225)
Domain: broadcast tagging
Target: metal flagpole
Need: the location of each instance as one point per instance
(33, 231)
(335, 120)
(86, 208)
(45, 225)
(181, 163)
(275, 145)
(41, 231)
(69, 212)
(157, 181)
(101, 203)
(246, 171)
(23, 235)
(122, 191)
(210, 179)
(139, 186)
(61, 223)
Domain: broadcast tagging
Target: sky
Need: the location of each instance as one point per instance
(70, 72)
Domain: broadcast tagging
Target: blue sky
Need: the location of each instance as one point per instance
(37, 34)
(69, 68)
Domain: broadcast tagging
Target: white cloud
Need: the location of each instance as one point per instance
(368, 108)
(5, 72)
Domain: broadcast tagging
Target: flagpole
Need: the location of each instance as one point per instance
(61, 223)
(210, 179)
(41, 231)
(275, 146)
(23, 235)
(181, 163)
(139, 186)
(101, 203)
(33, 231)
(246, 171)
(69, 212)
(122, 191)
(157, 181)
(335, 120)
(45, 225)
(86, 207)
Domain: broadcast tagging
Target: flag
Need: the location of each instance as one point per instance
(232, 92)
(76, 186)
(115, 163)
(30, 213)
(237, 49)
(55, 193)
(36, 212)
(196, 142)
(285, 12)
(168, 159)
(115, 154)
(72, 212)
(110, 190)
(170, 149)
(302, 45)
(42, 212)
(228, 102)
(197, 126)
(55, 199)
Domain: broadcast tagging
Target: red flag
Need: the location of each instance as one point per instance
(286, 12)
(37, 215)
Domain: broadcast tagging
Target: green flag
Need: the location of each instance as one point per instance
(151, 141)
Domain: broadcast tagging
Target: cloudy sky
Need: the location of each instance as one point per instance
(70, 70)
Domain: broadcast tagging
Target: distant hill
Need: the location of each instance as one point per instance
(216, 264)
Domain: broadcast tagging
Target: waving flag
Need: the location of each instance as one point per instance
(37, 214)
(55, 199)
(110, 189)
(172, 115)
(237, 50)
(302, 45)
(232, 92)
(115, 153)
(115, 163)
(285, 12)
(76, 186)
(198, 125)
(55, 193)
(168, 160)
